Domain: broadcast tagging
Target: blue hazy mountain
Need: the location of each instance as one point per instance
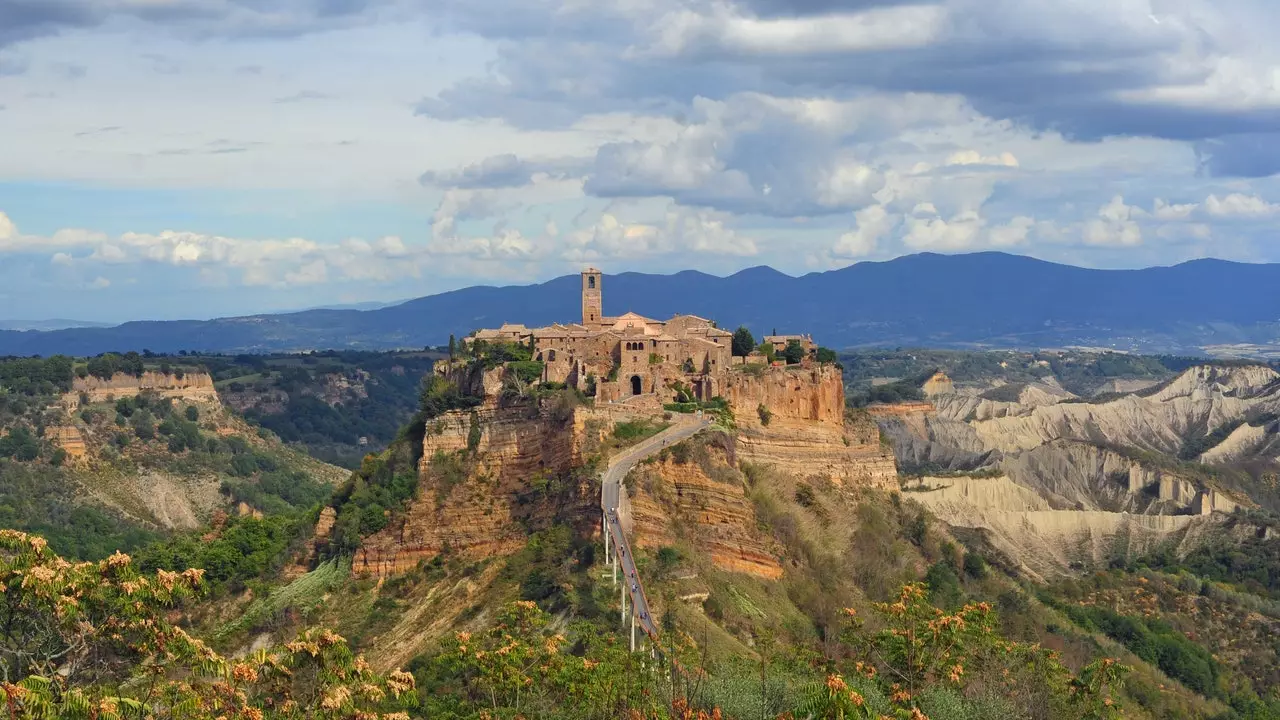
(975, 300)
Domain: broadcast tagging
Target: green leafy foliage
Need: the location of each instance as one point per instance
(91, 641)
(20, 444)
(382, 485)
(743, 342)
(793, 352)
(36, 376)
(42, 500)
(244, 549)
(526, 371)
(1156, 642)
(278, 492)
(108, 364)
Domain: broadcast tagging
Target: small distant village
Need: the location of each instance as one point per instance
(631, 356)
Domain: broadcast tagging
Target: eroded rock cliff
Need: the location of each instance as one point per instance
(794, 419)
(703, 495)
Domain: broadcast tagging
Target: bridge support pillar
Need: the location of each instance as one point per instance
(633, 632)
(624, 602)
(604, 527)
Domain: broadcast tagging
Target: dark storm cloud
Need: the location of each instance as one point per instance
(1249, 155)
(27, 19)
(1049, 66)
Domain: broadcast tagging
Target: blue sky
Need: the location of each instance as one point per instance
(195, 158)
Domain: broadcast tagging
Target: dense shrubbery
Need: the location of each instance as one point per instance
(917, 659)
(439, 396)
(42, 500)
(36, 376)
(1253, 564)
(20, 444)
(93, 642)
(1156, 642)
(278, 491)
(108, 364)
(382, 485)
(244, 549)
(895, 392)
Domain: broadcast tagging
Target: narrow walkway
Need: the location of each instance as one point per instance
(611, 493)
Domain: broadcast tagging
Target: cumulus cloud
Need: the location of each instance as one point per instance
(871, 224)
(269, 262)
(1239, 205)
(682, 229)
(1171, 211)
(1116, 224)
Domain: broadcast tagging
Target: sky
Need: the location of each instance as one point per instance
(165, 159)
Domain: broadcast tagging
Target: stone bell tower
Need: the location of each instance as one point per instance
(592, 300)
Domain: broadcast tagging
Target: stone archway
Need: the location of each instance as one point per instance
(637, 386)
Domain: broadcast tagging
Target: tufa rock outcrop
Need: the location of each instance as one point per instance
(705, 496)
(806, 433)
(192, 386)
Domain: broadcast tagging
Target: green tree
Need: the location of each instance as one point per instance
(794, 352)
(192, 413)
(743, 342)
(453, 346)
(143, 425)
(827, 355)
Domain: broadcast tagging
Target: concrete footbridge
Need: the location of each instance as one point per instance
(616, 514)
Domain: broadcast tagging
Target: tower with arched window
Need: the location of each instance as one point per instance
(592, 299)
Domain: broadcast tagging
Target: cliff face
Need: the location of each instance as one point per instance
(479, 489)
(194, 387)
(705, 498)
(806, 433)
(478, 502)
(1047, 542)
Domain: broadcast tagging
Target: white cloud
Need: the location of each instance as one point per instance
(682, 230)
(973, 157)
(1015, 232)
(99, 283)
(872, 224)
(62, 259)
(1168, 211)
(1116, 224)
(926, 230)
(1239, 205)
(727, 30)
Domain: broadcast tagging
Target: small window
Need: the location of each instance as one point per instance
(591, 282)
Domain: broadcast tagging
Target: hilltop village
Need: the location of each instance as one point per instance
(632, 356)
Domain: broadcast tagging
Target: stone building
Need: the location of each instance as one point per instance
(626, 355)
(780, 342)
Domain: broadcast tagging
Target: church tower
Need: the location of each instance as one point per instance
(592, 301)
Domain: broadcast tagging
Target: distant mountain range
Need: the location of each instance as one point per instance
(975, 300)
(50, 324)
